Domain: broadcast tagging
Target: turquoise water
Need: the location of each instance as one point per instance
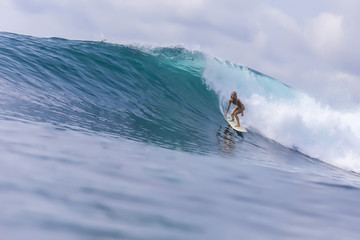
(105, 141)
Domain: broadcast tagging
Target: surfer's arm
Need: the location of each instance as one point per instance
(228, 107)
(242, 108)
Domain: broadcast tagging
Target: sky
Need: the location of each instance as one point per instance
(310, 45)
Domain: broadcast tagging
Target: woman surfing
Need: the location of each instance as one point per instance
(240, 108)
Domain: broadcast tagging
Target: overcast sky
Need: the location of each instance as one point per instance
(311, 45)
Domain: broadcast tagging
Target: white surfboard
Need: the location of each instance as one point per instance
(233, 123)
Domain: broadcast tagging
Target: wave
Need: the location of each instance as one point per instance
(167, 96)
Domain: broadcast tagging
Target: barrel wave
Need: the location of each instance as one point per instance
(170, 96)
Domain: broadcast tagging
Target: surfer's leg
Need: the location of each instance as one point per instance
(237, 117)
(233, 113)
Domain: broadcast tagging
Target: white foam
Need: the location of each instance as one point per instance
(289, 116)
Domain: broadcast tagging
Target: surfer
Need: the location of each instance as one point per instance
(240, 108)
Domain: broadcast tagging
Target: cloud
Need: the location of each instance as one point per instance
(324, 33)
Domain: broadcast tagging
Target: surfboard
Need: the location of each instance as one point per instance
(233, 123)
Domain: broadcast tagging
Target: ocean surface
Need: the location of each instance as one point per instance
(110, 141)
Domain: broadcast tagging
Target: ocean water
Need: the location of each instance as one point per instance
(109, 141)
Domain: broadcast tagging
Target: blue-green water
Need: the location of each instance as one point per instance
(105, 141)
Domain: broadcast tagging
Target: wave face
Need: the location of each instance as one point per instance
(155, 96)
(168, 97)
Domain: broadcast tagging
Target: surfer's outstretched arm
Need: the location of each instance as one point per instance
(228, 107)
